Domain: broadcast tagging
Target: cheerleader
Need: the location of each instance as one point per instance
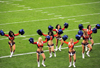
(85, 44)
(50, 43)
(89, 32)
(11, 37)
(39, 49)
(71, 49)
(58, 37)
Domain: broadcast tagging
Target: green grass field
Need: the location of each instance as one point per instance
(31, 15)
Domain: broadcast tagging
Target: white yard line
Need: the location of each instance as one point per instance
(51, 13)
(57, 6)
(50, 19)
(44, 12)
(85, 23)
(72, 19)
(78, 21)
(44, 51)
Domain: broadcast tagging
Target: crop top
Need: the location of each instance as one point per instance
(11, 38)
(71, 45)
(38, 45)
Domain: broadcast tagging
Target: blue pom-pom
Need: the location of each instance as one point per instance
(31, 40)
(80, 26)
(98, 26)
(48, 37)
(60, 31)
(80, 33)
(50, 27)
(2, 33)
(94, 30)
(65, 37)
(66, 25)
(39, 32)
(21, 31)
(78, 37)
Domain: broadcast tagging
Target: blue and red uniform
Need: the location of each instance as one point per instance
(38, 45)
(11, 38)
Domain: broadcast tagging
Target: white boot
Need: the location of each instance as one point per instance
(56, 48)
(60, 48)
(86, 48)
(88, 54)
(83, 55)
(70, 64)
(11, 54)
(54, 54)
(74, 64)
(43, 63)
(50, 55)
(38, 63)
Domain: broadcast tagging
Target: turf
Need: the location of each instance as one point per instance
(39, 14)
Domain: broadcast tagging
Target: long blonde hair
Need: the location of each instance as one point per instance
(72, 40)
(85, 33)
(40, 39)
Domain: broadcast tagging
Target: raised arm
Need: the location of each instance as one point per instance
(63, 28)
(76, 42)
(54, 29)
(34, 43)
(6, 35)
(55, 35)
(66, 42)
(45, 41)
(16, 34)
(44, 34)
(84, 29)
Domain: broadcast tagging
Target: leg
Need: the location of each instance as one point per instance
(10, 48)
(50, 52)
(43, 55)
(61, 44)
(83, 49)
(38, 56)
(90, 48)
(10, 51)
(74, 56)
(92, 42)
(13, 48)
(70, 61)
(52, 48)
(56, 44)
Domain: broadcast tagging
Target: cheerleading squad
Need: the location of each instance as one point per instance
(85, 34)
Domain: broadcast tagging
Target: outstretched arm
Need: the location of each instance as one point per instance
(16, 34)
(84, 29)
(34, 43)
(45, 41)
(54, 29)
(63, 28)
(55, 35)
(44, 34)
(76, 42)
(66, 42)
(6, 35)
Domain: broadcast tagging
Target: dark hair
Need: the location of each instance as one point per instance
(57, 26)
(10, 33)
(51, 33)
(88, 26)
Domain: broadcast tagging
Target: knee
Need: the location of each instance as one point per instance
(53, 51)
(38, 60)
(44, 58)
(92, 43)
(74, 60)
(14, 50)
(91, 48)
